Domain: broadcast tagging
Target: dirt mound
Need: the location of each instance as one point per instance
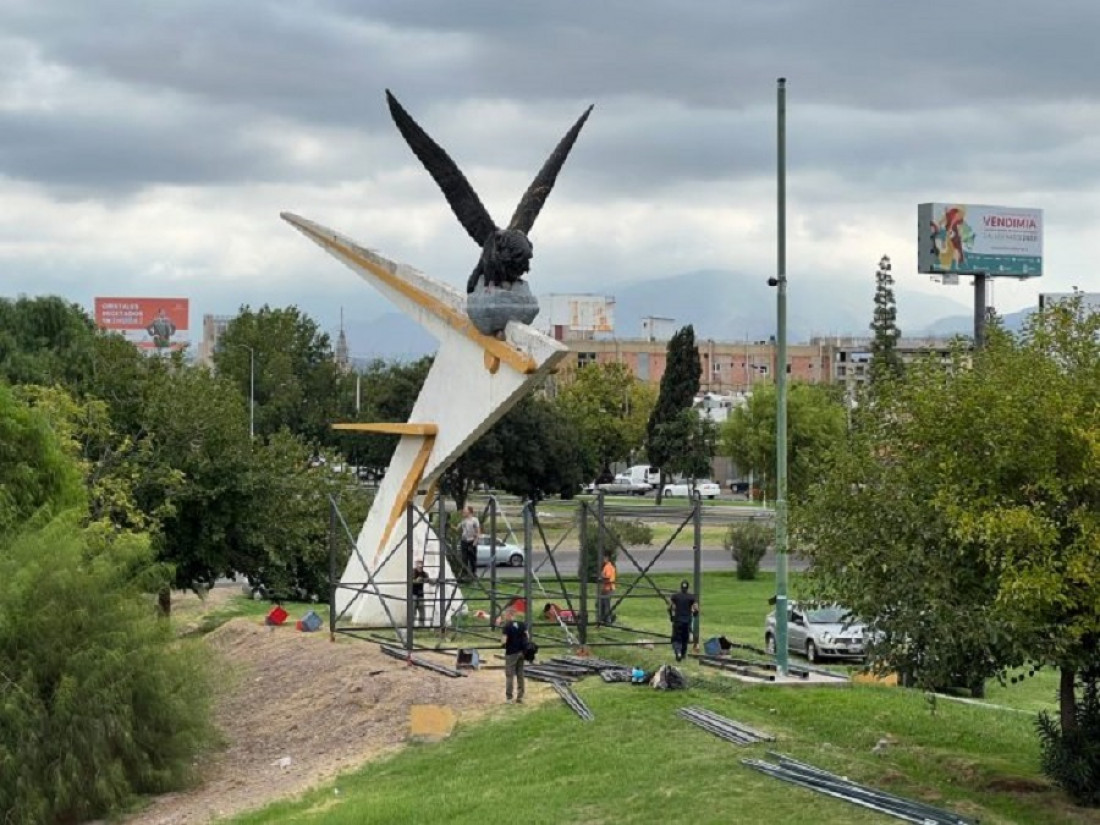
(297, 709)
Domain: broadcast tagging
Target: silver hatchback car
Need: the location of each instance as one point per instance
(826, 631)
(507, 554)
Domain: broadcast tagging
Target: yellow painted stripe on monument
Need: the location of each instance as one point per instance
(518, 360)
(429, 495)
(408, 490)
(390, 428)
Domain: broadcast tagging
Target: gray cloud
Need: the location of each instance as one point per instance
(281, 102)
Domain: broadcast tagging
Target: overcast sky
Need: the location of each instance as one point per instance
(147, 148)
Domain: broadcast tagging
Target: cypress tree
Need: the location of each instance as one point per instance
(885, 360)
(679, 385)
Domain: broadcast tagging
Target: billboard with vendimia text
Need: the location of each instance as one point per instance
(151, 324)
(973, 239)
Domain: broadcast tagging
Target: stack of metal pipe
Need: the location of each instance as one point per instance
(398, 653)
(840, 787)
(588, 663)
(720, 726)
(553, 671)
(575, 702)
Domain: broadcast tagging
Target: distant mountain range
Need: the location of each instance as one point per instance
(722, 305)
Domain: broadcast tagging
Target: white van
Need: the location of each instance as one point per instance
(644, 474)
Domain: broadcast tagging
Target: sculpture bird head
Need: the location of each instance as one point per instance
(505, 253)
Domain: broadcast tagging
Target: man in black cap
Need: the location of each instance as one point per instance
(682, 608)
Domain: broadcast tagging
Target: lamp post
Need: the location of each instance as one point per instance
(781, 389)
(251, 392)
(251, 389)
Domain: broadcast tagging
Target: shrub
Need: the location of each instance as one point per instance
(1072, 758)
(747, 542)
(98, 700)
(615, 532)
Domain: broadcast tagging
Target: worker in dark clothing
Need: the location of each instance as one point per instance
(683, 607)
(514, 640)
(420, 577)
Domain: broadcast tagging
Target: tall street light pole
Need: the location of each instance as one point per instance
(251, 392)
(251, 389)
(781, 386)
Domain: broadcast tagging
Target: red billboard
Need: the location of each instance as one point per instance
(154, 324)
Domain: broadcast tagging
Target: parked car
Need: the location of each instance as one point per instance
(818, 632)
(508, 554)
(684, 489)
(621, 486)
(625, 484)
(645, 473)
(739, 489)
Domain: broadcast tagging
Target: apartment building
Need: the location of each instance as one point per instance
(728, 367)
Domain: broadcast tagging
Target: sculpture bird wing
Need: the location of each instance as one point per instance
(464, 202)
(535, 196)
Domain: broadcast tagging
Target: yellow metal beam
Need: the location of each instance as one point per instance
(408, 428)
(520, 361)
(408, 490)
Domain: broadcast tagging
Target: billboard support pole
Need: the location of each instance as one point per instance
(980, 279)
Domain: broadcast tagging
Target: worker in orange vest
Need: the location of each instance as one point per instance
(607, 590)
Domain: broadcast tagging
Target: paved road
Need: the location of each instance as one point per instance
(677, 560)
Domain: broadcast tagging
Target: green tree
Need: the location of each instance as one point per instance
(748, 542)
(388, 390)
(816, 420)
(37, 479)
(962, 517)
(283, 538)
(696, 437)
(531, 452)
(45, 340)
(297, 382)
(99, 702)
(111, 465)
(885, 360)
(608, 409)
(679, 385)
(198, 428)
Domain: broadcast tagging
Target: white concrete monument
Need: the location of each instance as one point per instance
(474, 380)
(488, 359)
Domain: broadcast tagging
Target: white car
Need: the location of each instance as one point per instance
(701, 489)
(510, 555)
(626, 485)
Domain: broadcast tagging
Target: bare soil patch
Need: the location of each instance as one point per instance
(298, 709)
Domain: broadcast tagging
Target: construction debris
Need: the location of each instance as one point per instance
(617, 674)
(724, 728)
(840, 787)
(573, 700)
(590, 664)
(405, 656)
(542, 673)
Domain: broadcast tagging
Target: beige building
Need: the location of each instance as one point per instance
(851, 357)
(212, 328)
(728, 367)
(733, 368)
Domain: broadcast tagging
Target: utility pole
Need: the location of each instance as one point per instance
(980, 312)
(780, 282)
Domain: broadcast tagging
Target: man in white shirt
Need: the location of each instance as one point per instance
(469, 533)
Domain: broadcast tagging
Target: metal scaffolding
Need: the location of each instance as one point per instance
(457, 600)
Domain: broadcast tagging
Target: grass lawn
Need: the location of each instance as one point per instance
(638, 761)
